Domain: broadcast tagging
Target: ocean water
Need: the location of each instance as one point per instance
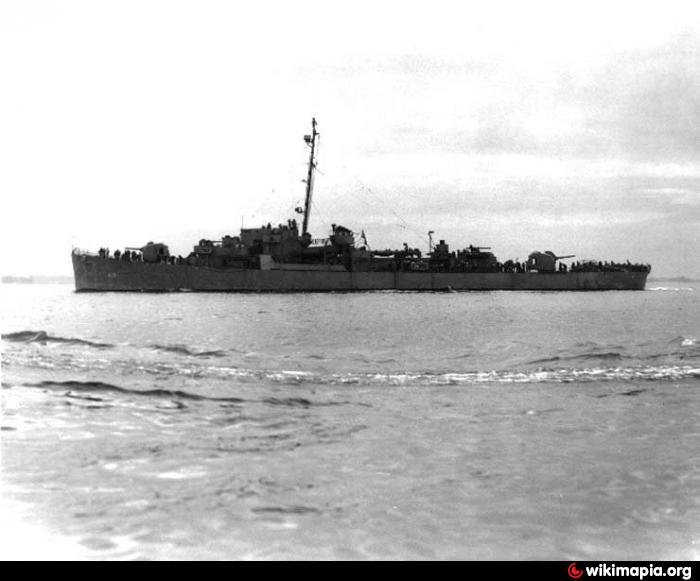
(389, 425)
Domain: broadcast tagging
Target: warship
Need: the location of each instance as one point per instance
(286, 258)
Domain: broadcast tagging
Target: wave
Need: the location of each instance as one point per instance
(683, 347)
(672, 288)
(43, 337)
(577, 375)
(288, 401)
(582, 351)
(285, 510)
(585, 361)
(183, 350)
(99, 386)
(684, 341)
(584, 375)
(683, 365)
(610, 355)
(85, 390)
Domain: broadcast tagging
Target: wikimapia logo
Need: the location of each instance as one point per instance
(638, 572)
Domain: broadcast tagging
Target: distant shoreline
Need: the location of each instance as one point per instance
(673, 279)
(37, 279)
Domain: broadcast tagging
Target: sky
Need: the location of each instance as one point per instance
(565, 126)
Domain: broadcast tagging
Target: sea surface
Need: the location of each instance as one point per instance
(387, 425)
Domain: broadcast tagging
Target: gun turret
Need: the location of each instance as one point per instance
(544, 261)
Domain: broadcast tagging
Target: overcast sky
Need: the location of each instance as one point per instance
(564, 126)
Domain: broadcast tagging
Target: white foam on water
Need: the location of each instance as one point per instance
(671, 288)
(182, 474)
(21, 539)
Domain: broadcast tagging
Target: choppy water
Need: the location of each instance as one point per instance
(503, 425)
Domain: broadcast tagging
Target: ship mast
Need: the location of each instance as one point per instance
(311, 142)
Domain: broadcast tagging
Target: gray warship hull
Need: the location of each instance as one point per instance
(93, 273)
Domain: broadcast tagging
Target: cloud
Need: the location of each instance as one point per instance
(639, 104)
(649, 102)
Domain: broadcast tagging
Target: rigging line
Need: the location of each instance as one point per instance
(369, 190)
(405, 225)
(320, 215)
(316, 170)
(264, 202)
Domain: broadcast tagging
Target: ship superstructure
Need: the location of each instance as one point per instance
(286, 257)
